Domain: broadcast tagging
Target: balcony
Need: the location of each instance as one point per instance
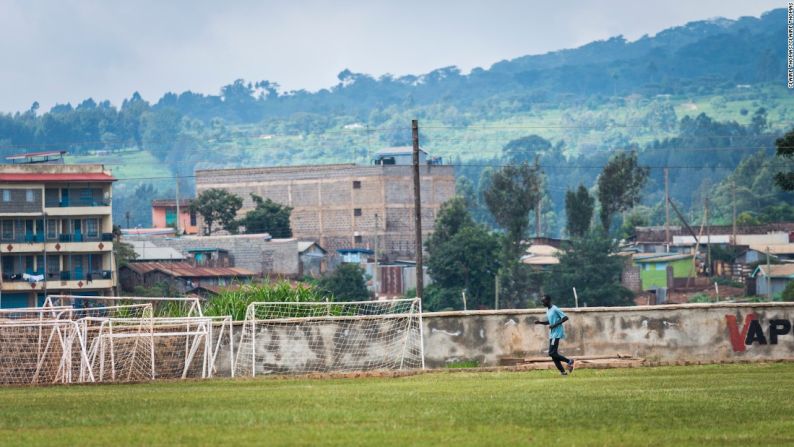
(98, 279)
(64, 243)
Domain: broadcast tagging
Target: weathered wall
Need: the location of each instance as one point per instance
(690, 332)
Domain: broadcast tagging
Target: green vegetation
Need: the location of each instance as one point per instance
(234, 300)
(345, 283)
(267, 217)
(463, 255)
(698, 405)
(217, 206)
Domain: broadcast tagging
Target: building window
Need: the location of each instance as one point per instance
(29, 195)
(91, 227)
(356, 184)
(8, 230)
(6, 195)
(192, 218)
(52, 229)
(357, 212)
(358, 239)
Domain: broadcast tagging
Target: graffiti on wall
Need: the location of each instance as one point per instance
(752, 331)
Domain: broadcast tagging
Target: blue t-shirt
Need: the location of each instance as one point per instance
(554, 315)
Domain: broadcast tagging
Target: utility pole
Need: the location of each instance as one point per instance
(733, 193)
(768, 276)
(538, 213)
(667, 208)
(420, 280)
(708, 238)
(127, 215)
(178, 216)
(496, 292)
(377, 247)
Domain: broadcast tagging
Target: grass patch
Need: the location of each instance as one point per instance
(464, 364)
(698, 405)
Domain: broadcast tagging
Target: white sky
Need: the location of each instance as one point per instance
(67, 50)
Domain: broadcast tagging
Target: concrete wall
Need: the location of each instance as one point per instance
(691, 332)
(249, 251)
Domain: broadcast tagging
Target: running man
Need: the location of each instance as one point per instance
(554, 319)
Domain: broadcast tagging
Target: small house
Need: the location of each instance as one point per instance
(664, 270)
(773, 277)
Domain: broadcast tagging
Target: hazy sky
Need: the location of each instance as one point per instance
(67, 50)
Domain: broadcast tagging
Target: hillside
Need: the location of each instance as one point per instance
(586, 101)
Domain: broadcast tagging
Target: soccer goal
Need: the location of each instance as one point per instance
(162, 306)
(140, 349)
(310, 337)
(37, 352)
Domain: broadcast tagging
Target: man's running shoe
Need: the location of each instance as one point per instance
(570, 366)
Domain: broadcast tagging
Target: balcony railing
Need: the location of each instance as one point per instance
(94, 275)
(64, 275)
(65, 203)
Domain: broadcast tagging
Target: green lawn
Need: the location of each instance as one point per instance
(695, 405)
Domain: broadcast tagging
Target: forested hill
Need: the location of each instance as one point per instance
(699, 57)
(676, 90)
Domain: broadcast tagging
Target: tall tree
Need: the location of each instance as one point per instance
(619, 185)
(268, 216)
(525, 149)
(217, 205)
(512, 193)
(590, 265)
(785, 149)
(462, 256)
(579, 207)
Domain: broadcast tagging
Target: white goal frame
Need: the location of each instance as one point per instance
(248, 340)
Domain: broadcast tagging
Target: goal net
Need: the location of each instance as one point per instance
(313, 337)
(37, 352)
(139, 349)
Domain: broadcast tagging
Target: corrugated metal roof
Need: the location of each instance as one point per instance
(664, 257)
(305, 245)
(171, 202)
(186, 270)
(147, 251)
(34, 154)
(778, 249)
(778, 271)
(51, 177)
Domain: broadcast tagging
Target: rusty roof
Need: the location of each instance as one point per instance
(187, 270)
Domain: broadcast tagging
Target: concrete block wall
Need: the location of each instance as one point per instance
(249, 251)
(324, 200)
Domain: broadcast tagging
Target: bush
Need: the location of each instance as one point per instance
(235, 302)
(788, 292)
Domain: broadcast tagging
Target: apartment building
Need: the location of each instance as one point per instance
(346, 205)
(55, 232)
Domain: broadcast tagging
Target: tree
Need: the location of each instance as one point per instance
(785, 149)
(512, 193)
(619, 185)
(217, 205)
(590, 265)
(462, 255)
(346, 283)
(525, 149)
(579, 207)
(268, 216)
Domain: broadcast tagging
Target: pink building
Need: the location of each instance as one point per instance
(164, 215)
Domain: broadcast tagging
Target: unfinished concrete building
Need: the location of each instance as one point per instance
(344, 205)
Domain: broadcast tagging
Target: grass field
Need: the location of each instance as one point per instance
(695, 405)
